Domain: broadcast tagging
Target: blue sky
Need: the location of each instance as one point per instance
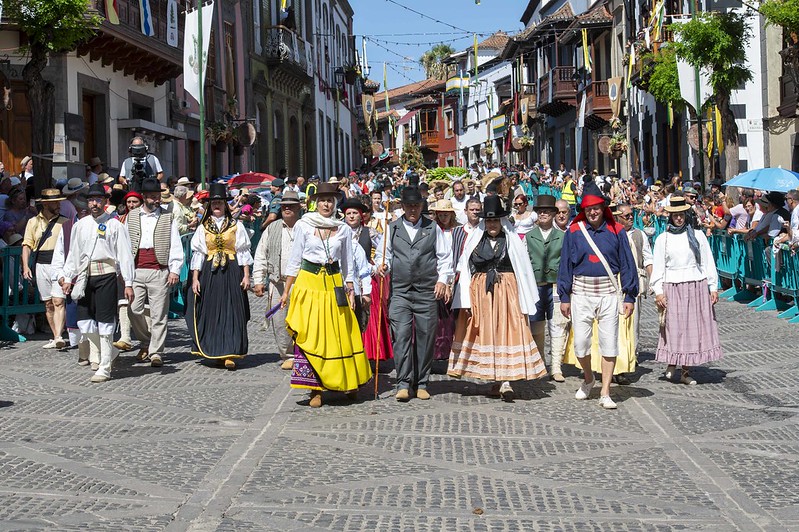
(390, 26)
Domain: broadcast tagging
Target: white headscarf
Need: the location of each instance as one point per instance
(519, 259)
(317, 221)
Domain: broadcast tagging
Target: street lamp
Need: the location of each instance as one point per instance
(338, 75)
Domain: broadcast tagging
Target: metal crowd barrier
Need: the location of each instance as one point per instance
(19, 295)
(747, 265)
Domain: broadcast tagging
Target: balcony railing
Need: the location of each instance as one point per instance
(284, 46)
(428, 139)
(557, 90)
(597, 104)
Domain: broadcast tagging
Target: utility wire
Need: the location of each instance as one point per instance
(428, 16)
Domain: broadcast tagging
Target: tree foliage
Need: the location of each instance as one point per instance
(432, 61)
(411, 156)
(55, 25)
(783, 13)
(49, 26)
(716, 42)
(664, 83)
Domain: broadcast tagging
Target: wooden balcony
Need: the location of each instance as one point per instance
(597, 104)
(124, 47)
(284, 47)
(428, 139)
(557, 91)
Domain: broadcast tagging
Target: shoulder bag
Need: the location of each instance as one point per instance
(604, 262)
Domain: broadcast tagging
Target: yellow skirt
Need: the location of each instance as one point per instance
(327, 335)
(625, 362)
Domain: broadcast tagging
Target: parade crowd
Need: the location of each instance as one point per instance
(476, 271)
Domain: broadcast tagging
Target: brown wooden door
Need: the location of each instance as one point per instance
(89, 124)
(15, 129)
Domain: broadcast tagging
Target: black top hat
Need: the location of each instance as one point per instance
(150, 184)
(97, 190)
(493, 208)
(217, 191)
(717, 182)
(411, 195)
(545, 201)
(775, 198)
(352, 203)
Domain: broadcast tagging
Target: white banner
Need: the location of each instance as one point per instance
(191, 67)
(172, 23)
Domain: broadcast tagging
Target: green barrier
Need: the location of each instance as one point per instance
(177, 298)
(19, 295)
(549, 190)
(729, 258)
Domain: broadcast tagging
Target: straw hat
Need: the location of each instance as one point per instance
(49, 195)
(677, 204)
(442, 206)
(74, 186)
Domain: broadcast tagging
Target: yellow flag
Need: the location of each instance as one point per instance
(283, 4)
(709, 125)
(475, 59)
(586, 54)
(719, 142)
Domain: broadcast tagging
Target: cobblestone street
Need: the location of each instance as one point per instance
(193, 446)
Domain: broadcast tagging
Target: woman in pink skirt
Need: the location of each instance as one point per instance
(685, 283)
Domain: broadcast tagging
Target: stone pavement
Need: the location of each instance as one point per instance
(192, 446)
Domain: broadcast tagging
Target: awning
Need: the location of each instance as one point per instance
(407, 117)
(150, 128)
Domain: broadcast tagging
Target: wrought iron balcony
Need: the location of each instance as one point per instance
(557, 91)
(284, 46)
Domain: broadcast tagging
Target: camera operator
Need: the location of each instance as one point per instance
(140, 165)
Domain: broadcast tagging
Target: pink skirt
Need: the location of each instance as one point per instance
(370, 344)
(690, 336)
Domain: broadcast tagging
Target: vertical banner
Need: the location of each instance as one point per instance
(191, 46)
(586, 53)
(111, 12)
(368, 107)
(614, 95)
(476, 78)
(146, 14)
(172, 23)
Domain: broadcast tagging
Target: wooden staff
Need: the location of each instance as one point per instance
(380, 295)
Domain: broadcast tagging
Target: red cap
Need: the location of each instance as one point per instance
(133, 194)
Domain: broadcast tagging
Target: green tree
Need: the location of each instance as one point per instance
(663, 82)
(432, 61)
(411, 156)
(783, 13)
(717, 43)
(49, 27)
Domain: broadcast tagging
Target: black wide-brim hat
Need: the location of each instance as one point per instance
(411, 194)
(97, 190)
(352, 203)
(493, 208)
(150, 184)
(216, 191)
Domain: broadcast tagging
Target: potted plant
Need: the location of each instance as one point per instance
(615, 123)
(618, 145)
(351, 73)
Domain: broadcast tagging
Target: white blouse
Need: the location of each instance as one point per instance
(522, 226)
(199, 247)
(308, 246)
(674, 262)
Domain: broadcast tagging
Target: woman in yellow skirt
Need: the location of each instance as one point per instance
(320, 274)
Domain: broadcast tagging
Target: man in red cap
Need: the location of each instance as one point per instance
(597, 279)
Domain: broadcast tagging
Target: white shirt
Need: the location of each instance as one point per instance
(155, 163)
(259, 265)
(363, 271)
(443, 249)
(199, 247)
(795, 224)
(460, 208)
(646, 247)
(674, 262)
(148, 221)
(522, 226)
(113, 245)
(308, 246)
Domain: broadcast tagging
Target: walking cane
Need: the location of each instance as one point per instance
(380, 295)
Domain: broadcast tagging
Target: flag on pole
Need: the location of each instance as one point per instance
(112, 12)
(172, 23)
(658, 14)
(476, 77)
(283, 4)
(193, 81)
(630, 66)
(146, 15)
(586, 54)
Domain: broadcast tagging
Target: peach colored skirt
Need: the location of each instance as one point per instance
(494, 343)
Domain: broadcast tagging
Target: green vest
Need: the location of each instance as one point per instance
(545, 256)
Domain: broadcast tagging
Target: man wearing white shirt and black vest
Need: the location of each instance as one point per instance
(158, 257)
(420, 262)
(98, 246)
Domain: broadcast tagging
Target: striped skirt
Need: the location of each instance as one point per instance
(494, 343)
(691, 334)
